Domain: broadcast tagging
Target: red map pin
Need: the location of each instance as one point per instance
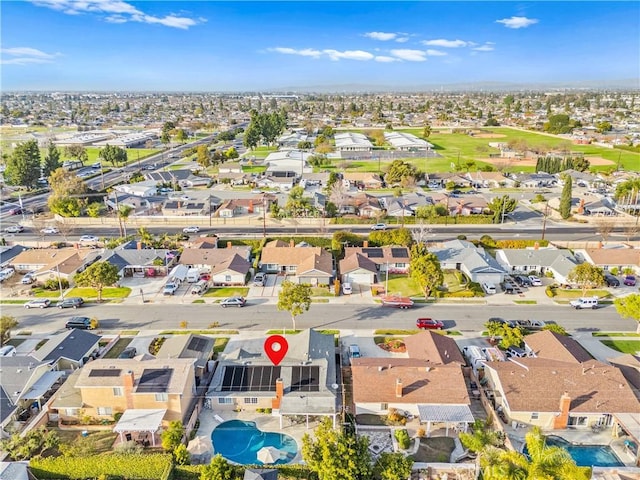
(276, 347)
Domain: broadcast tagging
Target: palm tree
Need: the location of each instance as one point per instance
(123, 214)
(145, 236)
(629, 190)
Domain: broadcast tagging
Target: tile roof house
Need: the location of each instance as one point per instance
(227, 266)
(139, 262)
(104, 387)
(304, 383)
(68, 350)
(41, 258)
(609, 258)
(522, 260)
(429, 384)
(473, 261)
(313, 265)
(362, 265)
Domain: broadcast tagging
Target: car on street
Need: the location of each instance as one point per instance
(83, 323)
(346, 289)
(535, 281)
(71, 302)
(259, 279)
(379, 226)
(88, 239)
(14, 229)
(8, 351)
(192, 229)
(15, 211)
(429, 324)
(50, 231)
(630, 281)
(233, 302)
(37, 303)
(128, 352)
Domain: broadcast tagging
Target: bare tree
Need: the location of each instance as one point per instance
(605, 227)
(422, 231)
(631, 231)
(65, 229)
(338, 194)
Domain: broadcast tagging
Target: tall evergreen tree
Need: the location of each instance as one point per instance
(23, 166)
(565, 198)
(51, 160)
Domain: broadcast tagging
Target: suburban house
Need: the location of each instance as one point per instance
(24, 380)
(362, 180)
(581, 179)
(234, 178)
(303, 384)
(48, 263)
(313, 265)
(197, 347)
(227, 266)
(290, 141)
(168, 177)
(473, 261)
(405, 205)
(68, 350)
(523, 260)
(288, 161)
(134, 261)
(364, 204)
(147, 188)
(105, 387)
(610, 258)
(429, 384)
(352, 142)
(281, 182)
(140, 205)
(481, 179)
(7, 254)
(468, 205)
(241, 206)
(561, 387)
(182, 208)
(364, 265)
(65, 269)
(535, 180)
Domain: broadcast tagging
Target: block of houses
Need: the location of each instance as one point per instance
(523, 260)
(104, 387)
(429, 384)
(227, 266)
(69, 350)
(473, 261)
(610, 258)
(303, 384)
(312, 265)
(365, 265)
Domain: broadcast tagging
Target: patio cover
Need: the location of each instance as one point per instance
(140, 420)
(445, 413)
(42, 385)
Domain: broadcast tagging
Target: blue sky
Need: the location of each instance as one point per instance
(233, 46)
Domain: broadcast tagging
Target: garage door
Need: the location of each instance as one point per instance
(488, 278)
(359, 278)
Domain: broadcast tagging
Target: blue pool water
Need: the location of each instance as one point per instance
(587, 455)
(239, 442)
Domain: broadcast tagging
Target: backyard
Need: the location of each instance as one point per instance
(434, 449)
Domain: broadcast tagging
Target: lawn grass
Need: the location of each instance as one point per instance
(624, 346)
(452, 281)
(198, 301)
(525, 302)
(102, 439)
(199, 332)
(107, 292)
(117, 349)
(283, 332)
(434, 449)
(402, 285)
(223, 292)
(564, 294)
(615, 334)
(395, 332)
(13, 302)
(321, 292)
(254, 169)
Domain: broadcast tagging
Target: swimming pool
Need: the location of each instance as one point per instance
(587, 455)
(240, 441)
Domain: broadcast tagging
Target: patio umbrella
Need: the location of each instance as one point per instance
(269, 454)
(200, 450)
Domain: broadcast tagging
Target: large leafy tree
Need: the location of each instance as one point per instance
(172, 436)
(203, 156)
(393, 466)
(295, 298)
(113, 154)
(335, 455)
(629, 307)
(628, 192)
(23, 166)
(586, 275)
(7, 323)
(565, 198)
(51, 160)
(400, 172)
(66, 193)
(98, 276)
(500, 206)
(425, 270)
(78, 152)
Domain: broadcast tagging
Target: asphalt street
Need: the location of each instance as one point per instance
(257, 316)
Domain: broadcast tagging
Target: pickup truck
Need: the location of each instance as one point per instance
(170, 289)
(396, 301)
(531, 324)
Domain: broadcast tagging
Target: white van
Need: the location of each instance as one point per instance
(585, 302)
(193, 275)
(200, 287)
(6, 274)
(489, 288)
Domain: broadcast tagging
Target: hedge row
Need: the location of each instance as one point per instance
(285, 472)
(155, 466)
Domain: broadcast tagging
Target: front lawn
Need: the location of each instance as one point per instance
(117, 349)
(577, 293)
(107, 292)
(321, 292)
(434, 449)
(402, 285)
(624, 346)
(223, 292)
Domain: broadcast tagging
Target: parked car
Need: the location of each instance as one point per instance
(346, 289)
(259, 280)
(88, 239)
(429, 324)
(522, 280)
(584, 302)
(397, 302)
(379, 226)
(71, 302)
(15, 211)
(8, 351)
(630, 281)
(535, 281)
(233, 302)
(128, 352)
(200, 287)
(6, 274)
(170, 288)
(37, 303)
(83, 323)
(611, 281)
(354, 351)
(14, 229)
(516, 352)
(27, 279)
(50, 231)
(192, 229)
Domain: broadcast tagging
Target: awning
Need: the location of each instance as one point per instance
(445, 413)
(630, 422)
(140, 420)
(42, 386)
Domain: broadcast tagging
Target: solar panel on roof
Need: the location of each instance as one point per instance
(244, 379)
(154, 380)
(105, 372)
(305, 379)
(197, 344)
(373, 252)
(399, 253)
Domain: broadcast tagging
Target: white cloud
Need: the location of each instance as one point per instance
(385, 59)
(402, 39)
(25, 56)
(435, 53)
(517, 22)
(306, 52)
(441, 42)
(410, 55)
(348, 54)
(116, 11)
(382, 36)
(487, 47)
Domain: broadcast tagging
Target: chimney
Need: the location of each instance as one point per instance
(138, 245)
(365, 244)
(536, 246)
(250, 209)
(129, 381)
(292, 243)
(560, 421)
(398, 388)
(228, 244)
(275, 403)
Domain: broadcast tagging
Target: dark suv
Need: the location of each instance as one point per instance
(522, 281)
(71, 302)
(83, 323)
(611, 281)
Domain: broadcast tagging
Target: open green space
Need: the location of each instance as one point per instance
(107, 292)
(624, 346)
(223, 292)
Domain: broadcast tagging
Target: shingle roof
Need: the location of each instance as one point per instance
(614, 256)
(554, 346)
(544, 257)
(357, 261)
(73, 345)
(434, 348)
(234, 263)
(213, 256)
(303, 257)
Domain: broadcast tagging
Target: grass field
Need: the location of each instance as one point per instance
(624, 346)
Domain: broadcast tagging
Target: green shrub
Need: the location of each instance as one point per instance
(53, 284)
(403, 438)
(550, 291)
(130, 466)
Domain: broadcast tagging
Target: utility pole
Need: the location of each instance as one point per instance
(544, 218)
(264, 217)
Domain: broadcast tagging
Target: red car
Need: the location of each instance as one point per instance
(429, 323)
